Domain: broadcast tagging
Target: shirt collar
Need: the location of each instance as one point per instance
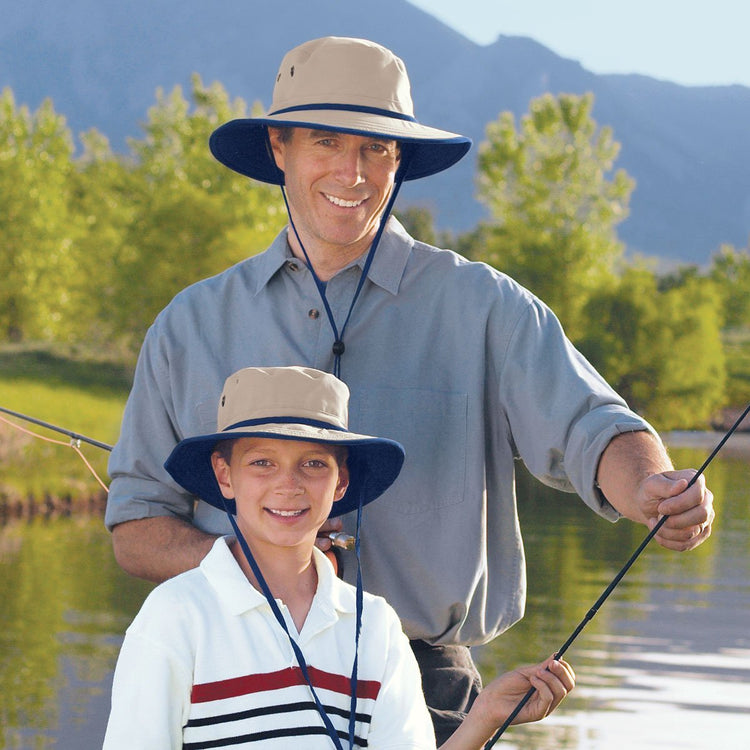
(238, 596)
(387, 268)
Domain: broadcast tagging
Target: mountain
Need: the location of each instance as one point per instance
(101, 61)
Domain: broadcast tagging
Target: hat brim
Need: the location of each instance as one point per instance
(242, 144)
(373, 463)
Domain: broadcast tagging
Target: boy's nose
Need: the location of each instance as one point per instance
(291, 482)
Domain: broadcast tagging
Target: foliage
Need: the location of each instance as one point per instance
(737, 350)
(730, 270)
(173, 214)
(96, 246)
(553, 201)
(37, 232)
(661, 350)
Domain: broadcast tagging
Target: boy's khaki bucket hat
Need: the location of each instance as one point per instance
(287, 403)
(344, 85)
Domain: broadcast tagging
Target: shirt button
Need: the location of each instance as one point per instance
(313, 314)
(293, 266)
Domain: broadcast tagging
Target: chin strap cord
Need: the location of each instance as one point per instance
(333, 734)
(338, 344)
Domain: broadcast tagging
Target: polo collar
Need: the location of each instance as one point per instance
(387, 268)
(238, 596)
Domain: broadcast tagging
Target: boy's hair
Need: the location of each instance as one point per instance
(225, 447)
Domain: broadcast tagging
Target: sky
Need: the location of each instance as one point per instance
(692, 42)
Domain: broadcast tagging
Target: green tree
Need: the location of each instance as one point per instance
(102, 196)
(730, 270)
(188, 216)
(660, 348)
(555, 202)
(37, 232)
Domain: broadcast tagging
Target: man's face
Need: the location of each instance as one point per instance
(337, 186)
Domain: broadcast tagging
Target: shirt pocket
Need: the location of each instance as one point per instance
(432, 427)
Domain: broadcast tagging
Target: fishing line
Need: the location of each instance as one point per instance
(592, 612)
(75, 439)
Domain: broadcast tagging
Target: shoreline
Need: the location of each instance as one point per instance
(738, 444)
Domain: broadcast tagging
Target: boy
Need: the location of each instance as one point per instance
(219, 655)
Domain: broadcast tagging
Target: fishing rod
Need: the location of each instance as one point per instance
(73, 435)
(625, 568)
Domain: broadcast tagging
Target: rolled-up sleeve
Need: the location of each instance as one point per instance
(562, 413)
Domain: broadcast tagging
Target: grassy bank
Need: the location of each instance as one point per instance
(74, 390)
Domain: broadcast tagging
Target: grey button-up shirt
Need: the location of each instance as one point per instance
(453, 359)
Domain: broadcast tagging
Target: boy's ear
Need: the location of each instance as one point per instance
(343, 483)
(223, 475)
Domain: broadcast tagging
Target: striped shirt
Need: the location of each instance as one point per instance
(205, 665)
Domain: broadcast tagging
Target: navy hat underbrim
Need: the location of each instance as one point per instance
(373, 463)
(243, 146)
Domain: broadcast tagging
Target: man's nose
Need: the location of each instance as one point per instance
(350, 167)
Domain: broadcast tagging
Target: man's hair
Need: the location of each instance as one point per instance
(285, 132)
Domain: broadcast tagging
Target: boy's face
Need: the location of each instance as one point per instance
(284, 489)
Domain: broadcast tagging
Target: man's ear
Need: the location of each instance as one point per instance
(277, 146)
(223, 475)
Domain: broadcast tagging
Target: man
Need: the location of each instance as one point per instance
(454, 360)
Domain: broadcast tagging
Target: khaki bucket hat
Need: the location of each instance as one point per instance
(340, 84)
(287, 403)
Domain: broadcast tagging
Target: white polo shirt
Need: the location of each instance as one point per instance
(205, 664)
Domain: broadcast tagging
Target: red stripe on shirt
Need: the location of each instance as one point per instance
(283, 678)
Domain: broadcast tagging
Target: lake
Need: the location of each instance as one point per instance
(665, 664)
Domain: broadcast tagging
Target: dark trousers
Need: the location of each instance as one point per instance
(450, 682)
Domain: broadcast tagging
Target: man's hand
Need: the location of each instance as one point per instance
(331, 526)
(638, 479)
(690, 510)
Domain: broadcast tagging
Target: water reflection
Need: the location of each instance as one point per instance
(65, 605)
(665, 663)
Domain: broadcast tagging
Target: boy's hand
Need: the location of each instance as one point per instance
(553, 679)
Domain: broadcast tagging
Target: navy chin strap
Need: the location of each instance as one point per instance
(332, 733)
(338, 336)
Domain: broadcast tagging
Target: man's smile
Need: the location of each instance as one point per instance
(343, 203)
